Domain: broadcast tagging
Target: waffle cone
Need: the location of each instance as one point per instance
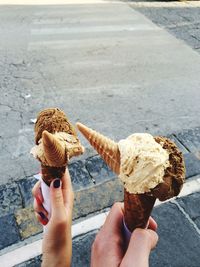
(50, 173)
(105, 147)
(54, 152)
(137, 209)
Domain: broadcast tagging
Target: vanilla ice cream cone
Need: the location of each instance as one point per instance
(138, 206)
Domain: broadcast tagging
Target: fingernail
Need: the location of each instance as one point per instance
(38, 200)
(42, 215)
(56, 183)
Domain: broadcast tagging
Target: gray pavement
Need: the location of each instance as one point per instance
(108, 66)
(182, 19)
(179, 239)
(105, 64)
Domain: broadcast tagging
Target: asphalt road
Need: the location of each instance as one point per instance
(110, 68)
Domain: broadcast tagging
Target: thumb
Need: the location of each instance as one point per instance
(57, 202)
(141, 243)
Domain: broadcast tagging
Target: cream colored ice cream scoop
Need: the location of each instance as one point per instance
(143, 163)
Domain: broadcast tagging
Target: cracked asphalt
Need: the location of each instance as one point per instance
(97, 70)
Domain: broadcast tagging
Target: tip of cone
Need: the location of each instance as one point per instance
(80, 125)
(84, 129)
(46, 136)
(45, 133)
(53, 151)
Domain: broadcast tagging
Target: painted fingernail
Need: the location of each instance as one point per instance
(43, 217)
(38, 200)
(56, 183)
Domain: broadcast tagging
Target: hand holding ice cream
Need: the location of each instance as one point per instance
(56, 142)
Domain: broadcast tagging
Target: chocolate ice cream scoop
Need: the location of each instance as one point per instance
(52, 120)
(174, 175)
(56, 142)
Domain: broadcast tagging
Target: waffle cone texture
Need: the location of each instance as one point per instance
(138, 207)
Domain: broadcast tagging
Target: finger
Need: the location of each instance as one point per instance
(56, 196)
(67, 186)
(41, 218)
(36, 192)
(68, 194)
(152, 224)
(39, 208)
(141, 243)
(113, 223)
(145, 238)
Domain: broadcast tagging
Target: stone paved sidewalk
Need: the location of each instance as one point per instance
(179, 237)
(17, 218)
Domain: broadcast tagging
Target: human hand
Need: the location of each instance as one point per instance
(109, 246)
(57, 241)
(141, 243)
(107, 249)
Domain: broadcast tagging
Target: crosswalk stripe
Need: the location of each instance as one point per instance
(93, 29)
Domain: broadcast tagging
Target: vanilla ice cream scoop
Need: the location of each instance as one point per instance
(67, 143)
(143, 163)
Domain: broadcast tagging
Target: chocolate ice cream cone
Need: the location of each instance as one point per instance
(50, 173)
(106, 147)
(56, 142)
(137, 209)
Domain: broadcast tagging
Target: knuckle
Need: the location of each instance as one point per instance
(116, 205)
(58, 198)
(143, 234)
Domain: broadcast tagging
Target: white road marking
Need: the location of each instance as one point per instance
(93, 29)
(52, 2)
(45, 22)
(32, 250)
